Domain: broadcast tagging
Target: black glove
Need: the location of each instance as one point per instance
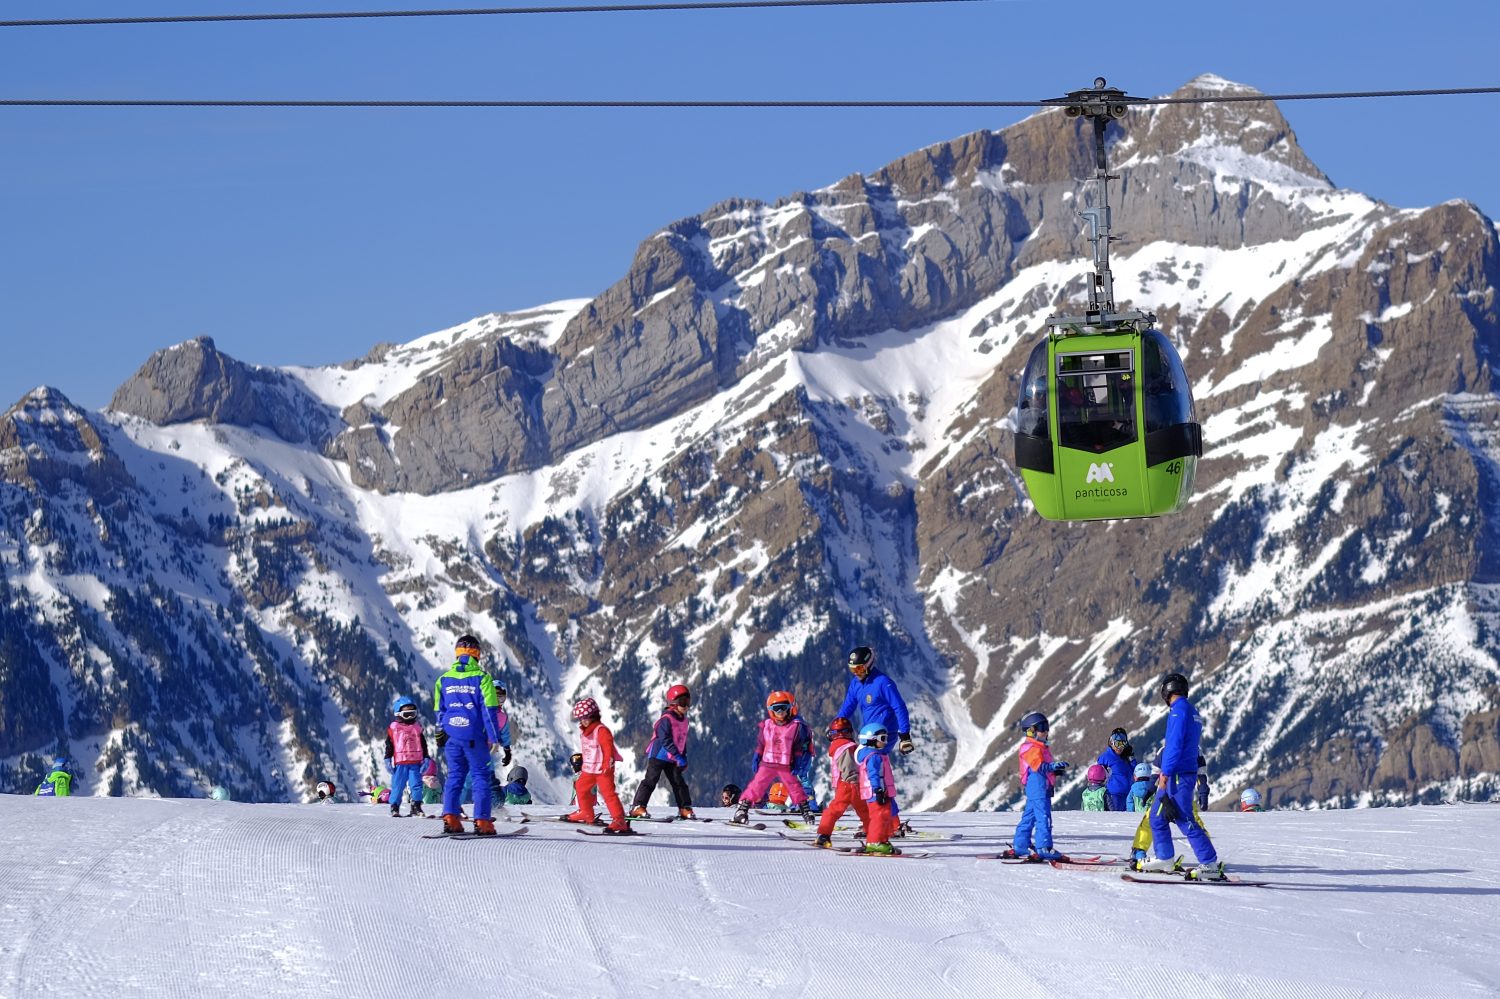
(904, 743)
(881, 798)
(1129, 753)
(1168, 808)
(505, 756)
(442, 738)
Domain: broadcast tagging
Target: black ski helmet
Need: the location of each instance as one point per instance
(729, 795)
(861, 656)
(1173, 683)
(1035, 720)
(518, 775)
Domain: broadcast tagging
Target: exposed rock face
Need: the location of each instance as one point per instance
(826, 386)
(193, 381)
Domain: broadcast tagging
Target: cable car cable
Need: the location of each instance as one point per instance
(466, 12)
(746, 104)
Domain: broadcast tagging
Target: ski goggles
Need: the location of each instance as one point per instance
(781, 709)
(682, 700)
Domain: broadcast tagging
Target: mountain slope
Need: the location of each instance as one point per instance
(784, 432)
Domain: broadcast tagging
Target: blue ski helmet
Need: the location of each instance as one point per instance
(1250, 796)
(874, 734)
(518, 775)
(61, 763)
(219, 793)
(400, 702)
(1142, 771)
(1035, 720)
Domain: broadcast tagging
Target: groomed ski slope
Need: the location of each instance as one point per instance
(120, 898)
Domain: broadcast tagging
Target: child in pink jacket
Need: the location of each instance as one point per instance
(781, 742)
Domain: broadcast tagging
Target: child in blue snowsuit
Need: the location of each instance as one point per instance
(1038, 776)
(1175, 787)
(1140, 788)
(465, 702)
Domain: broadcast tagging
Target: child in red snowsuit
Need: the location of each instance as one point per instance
(599, 758)
(845, 782)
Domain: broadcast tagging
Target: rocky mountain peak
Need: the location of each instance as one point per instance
(194, 381)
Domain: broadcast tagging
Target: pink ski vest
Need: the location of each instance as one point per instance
(887, 778)
(776, 742)
(593, 753)
(679, 731)
(407, 738)
(1034, 753)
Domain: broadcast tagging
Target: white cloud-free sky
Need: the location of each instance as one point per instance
(307, 236)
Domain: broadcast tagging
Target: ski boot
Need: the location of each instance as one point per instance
(685, 813)
(806, 814)
(452, 824)
(1050, 855)
(825, 842)
(1208, 872)
(416, 809)
(484, 827)
(580, 818)
(395, 811)
(904, 829)
(1137, 859)
(741, 814)
(639, 812)
(1172, 865)
(881, 849)
(620, 827)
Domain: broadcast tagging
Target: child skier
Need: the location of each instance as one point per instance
(781, 742)
(877, 787)
(327, 790)
(515, 792)
(599, 758)
(1250, 800)
(666, 754)
(59, 781)
(729, 795)
(432, 784)
(1094, 799)
(1140, 788)
(1039, 772)
(405, 753)
(845, 771)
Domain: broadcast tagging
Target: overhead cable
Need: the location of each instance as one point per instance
(462, 12)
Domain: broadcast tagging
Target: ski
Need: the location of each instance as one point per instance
(1173, 879)
(650, 818)
(859, 852)
(559, 818)
(508, 834)
(607, 832)
(1007, 859)
(1086, 864)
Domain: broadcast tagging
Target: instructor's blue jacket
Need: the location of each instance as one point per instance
(879, 702)
(1179, 755)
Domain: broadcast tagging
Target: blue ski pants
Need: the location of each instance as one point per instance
(1035, 827)
(403, 776)
(1180, 790)
(464, 756)
(1116, 801)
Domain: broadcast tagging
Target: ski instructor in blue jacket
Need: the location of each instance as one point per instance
(1174, 794)
(875, 696)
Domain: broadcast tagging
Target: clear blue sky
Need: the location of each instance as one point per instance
(308, 236)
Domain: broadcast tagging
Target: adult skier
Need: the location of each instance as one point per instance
(465, 702)
(59, 782)
(1175, 786)
(874, 695)
(1119, 759)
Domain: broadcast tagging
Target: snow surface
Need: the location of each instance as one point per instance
(125, 897)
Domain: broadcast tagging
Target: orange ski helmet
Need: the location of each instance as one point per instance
(780, 700)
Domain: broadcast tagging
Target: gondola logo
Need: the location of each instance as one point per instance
(1102, 472)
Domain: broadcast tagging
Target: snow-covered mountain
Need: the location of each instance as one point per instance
(135, 899)
(784, 432)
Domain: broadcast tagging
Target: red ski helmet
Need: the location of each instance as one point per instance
(679, 692)
(840, 728)
(586, 708)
